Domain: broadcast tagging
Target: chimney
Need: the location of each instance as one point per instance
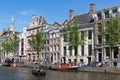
(92, 8)
(71, 15)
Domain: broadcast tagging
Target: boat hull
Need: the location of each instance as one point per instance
(6, 64)
(65, 69)
(42, 73)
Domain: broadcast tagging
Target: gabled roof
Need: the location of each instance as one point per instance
(41, 20)
(65, 22)
(85, 18)
(37, 20)
(56, 24)
(9, 32)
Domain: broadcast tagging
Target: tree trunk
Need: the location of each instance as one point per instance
(111, 56)
(38, 58)
(76, 52)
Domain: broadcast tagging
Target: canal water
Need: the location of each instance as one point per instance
(9, 73)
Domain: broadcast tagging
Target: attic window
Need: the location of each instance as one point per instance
(99, 16)
(107, 14)
(115, 12)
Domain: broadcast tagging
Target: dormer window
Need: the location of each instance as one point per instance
(33, 22)
(114, 12)
(107, 14)
(99, 16)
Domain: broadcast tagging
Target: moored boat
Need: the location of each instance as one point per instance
(42, 73)
(6, 64)
(65, 67)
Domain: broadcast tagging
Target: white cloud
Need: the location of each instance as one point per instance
(4, 21)
(26, 12)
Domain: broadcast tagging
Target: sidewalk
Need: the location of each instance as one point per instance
(101, 69)
(28, 65)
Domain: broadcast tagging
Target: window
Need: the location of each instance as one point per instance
(114, 12)
(47, 41)
(99, 39)
(76, 51)
(55, 48)
(99, 16)
(107, 52)
(107, 14)
(82, 35)
(69, 60)
(47, 48)
(57, 34)
(44, 35)
(65, 39)
(89, 34)
(82, 48)
(89, 50)
(70, 50)
(64, 50)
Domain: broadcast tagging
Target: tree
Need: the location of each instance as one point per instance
(111, 32)
(11, 43)
(6, 45)
(73, 36)
(37, 42)
(15, 43)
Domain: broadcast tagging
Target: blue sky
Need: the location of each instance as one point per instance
(52, 10)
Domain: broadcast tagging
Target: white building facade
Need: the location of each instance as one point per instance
(22, 45)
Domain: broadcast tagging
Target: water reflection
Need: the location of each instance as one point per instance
(8, 73)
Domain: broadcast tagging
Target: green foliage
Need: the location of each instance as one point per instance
(11, 43)
(14, 43)
(37, 42)
(6, 45)
(112, 32)
(73, 36)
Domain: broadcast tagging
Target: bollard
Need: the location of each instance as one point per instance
(105, 71)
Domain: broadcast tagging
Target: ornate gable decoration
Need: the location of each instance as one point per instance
(34, 21)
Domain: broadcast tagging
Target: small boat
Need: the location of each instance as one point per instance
(6, 64)
(65, 67)
(42, 73)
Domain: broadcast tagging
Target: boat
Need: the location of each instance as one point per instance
(42, 73)
(45, 67)
(6, 64)
(65, 67)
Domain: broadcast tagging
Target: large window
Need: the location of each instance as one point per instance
(64, 50)
(76, 51)
(89, 34)
(115, 13)
(99, 16)
(107, 14)
(107, 53)
(70, 50)
(65, 39)
(82, 48)
(82, 35)
(89, 50)
(99, 39)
